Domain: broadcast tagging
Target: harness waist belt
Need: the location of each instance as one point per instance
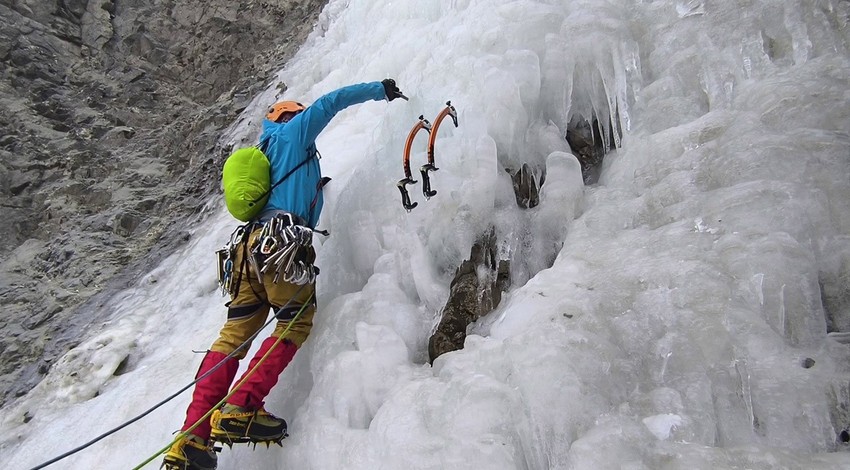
(265, 216)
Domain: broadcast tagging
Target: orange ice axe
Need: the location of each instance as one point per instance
(449, 110)
(408, 178)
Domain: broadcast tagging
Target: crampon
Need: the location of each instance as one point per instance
(233, 425)
(229, 440)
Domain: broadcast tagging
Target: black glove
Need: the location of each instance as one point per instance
(391, 89)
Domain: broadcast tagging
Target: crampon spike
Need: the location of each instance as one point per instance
(229, 441)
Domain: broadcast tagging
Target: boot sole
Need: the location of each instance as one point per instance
(184, 465)
(171, 462)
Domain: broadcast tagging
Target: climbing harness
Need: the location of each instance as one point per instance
(423, 123)
(449, 110)
(408, 178)
(284, 246)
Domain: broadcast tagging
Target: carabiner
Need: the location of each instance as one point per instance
(237, 235)
(268, 245)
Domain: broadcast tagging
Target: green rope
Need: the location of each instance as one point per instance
(206, 416)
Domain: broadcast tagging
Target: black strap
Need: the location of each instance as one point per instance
(319, 186)
(244, 262)
(262, 144)
(287, 175)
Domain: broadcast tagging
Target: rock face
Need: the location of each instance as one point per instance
(475, 290)
(589, 146)
(526, 187)
(109, 118)
(479, 281)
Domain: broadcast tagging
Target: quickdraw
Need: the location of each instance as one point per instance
(284, 247)
(423, 123)
(226, 255)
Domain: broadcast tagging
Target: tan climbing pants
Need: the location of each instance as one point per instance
(250, 304)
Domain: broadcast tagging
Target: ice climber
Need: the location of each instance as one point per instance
(286, 287)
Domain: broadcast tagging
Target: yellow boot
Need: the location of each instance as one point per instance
(190, 453)
(233, 424)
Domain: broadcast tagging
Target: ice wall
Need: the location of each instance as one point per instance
(681, 313)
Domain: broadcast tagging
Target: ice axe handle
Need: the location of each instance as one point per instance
(426, 181)
(405, 196)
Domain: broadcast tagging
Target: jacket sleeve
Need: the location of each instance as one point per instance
(316, 117)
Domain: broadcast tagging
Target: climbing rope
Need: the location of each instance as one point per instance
(189, 385)
(206, 416)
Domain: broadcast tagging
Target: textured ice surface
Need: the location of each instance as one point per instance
(683, 322)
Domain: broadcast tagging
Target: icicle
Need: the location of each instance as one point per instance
(745, 392)
(782, 310)
(754, 59)
(687, 8)
(802, 46)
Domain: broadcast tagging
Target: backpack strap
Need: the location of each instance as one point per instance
(287, 175)
(263, 143)
(278, 182)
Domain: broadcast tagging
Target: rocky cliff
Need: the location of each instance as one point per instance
(109, 118)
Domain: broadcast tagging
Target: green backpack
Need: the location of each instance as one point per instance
(246, 182)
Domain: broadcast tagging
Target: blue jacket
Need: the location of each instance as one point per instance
(288, 144)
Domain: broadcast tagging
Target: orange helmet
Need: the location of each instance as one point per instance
(278, 109)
